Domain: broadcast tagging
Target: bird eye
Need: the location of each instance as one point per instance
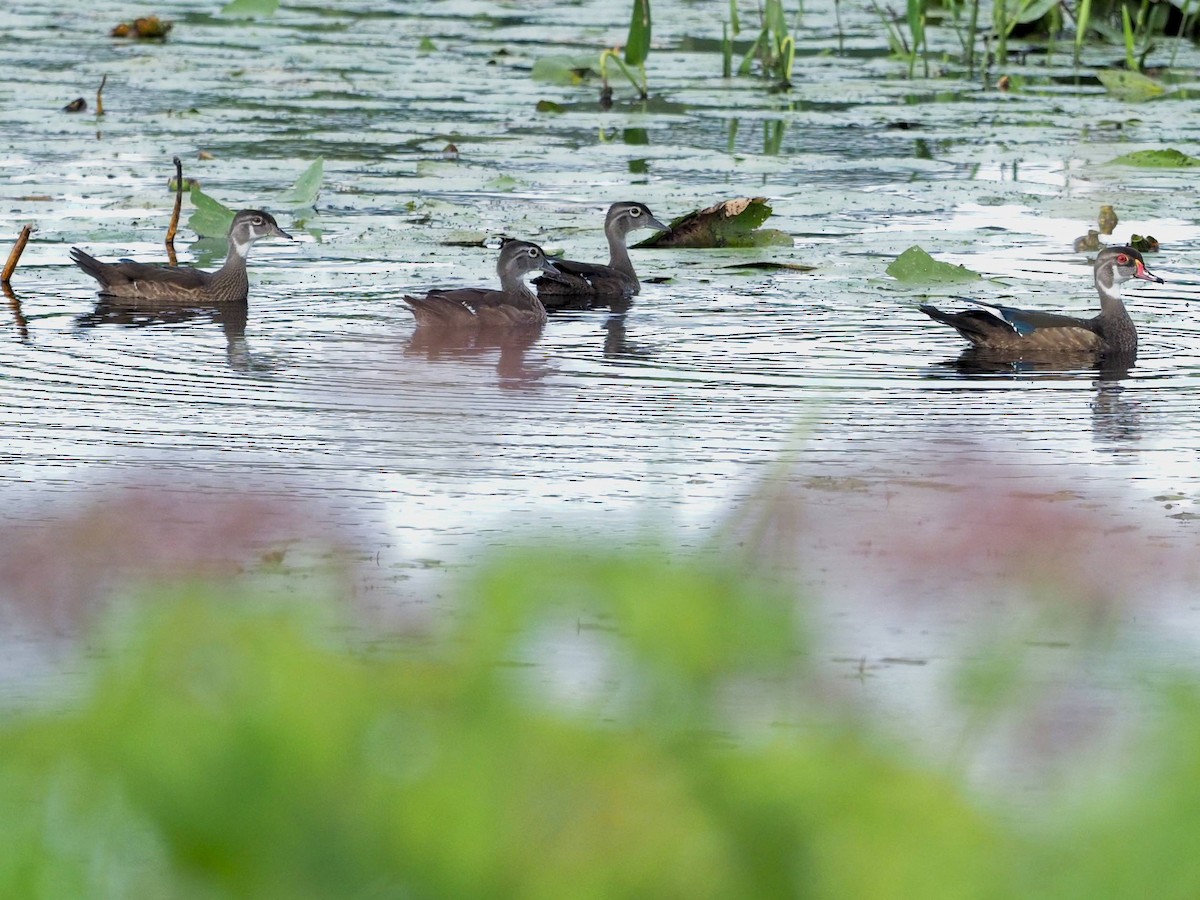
(635, 212)
(533, 252)
(258, 220)
(1122, 259)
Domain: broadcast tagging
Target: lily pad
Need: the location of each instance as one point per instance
(1127, 85)
(307, 187)
(730, 223)
(1156, 159)
(571, 70)
(211, 218)
(914, 265)
(249, 9)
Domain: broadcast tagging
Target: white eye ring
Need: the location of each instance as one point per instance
(258, 220)
(635, 212)
(533, 252)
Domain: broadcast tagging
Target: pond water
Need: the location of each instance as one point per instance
(673, 414)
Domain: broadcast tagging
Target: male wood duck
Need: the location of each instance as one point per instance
(514, 304)
(593, 281)
(996, 327)
(181, 284)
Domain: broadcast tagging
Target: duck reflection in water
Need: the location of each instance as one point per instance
(133, 312)
(981, 361)
(1116, 416)
(475, 343)
(459, 323)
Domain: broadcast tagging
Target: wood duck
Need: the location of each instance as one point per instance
(996, 327)
(581, 281)
(513, 304)
(181, 284)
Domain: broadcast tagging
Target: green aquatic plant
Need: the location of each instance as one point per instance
(303, 194)
(774, 47)
(212, 218)
(915, 265)
(1131, 86)
(1156, 159)
(637, 48)
(249, 9)
(1008, 14)
(912, 44)
(730, 223)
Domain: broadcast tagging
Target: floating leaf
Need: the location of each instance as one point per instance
(637, 46)
(503, 183)
(570, 70)
(211, 218)
(731, 223)
(465, 239)
(1156, 159)
(308, 186)
(549, 106)
(249, 9)
(773, 264)
(1126, 85)
(915, 265)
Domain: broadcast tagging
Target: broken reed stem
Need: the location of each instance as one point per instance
(173, 227)
(99, 97)
(17, 250)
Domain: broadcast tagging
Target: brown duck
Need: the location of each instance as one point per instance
(1004, 328)
(514, 304)
(181, 284)
(582, 282)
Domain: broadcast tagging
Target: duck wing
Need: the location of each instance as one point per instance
(997, 326)
(575, 279)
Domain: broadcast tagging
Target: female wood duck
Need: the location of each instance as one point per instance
(581, 281)
(513, 304)
(996, 327)
(181, 284)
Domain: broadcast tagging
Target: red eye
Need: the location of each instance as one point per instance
(1122, 260)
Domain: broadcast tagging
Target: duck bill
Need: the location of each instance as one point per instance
(548, 266)
(1145, 274)
(654, 223)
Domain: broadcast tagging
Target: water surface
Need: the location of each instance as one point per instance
(669, 415)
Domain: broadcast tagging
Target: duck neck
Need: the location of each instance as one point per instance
(1111, 305)
(231, 278)
(512, 283)
(1118, 329)
(618, 254)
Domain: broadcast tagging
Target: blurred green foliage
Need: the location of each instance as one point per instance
(228, 746)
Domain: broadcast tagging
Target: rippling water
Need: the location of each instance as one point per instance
(669, 414)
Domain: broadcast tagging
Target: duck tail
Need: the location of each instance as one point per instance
(90, 264)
